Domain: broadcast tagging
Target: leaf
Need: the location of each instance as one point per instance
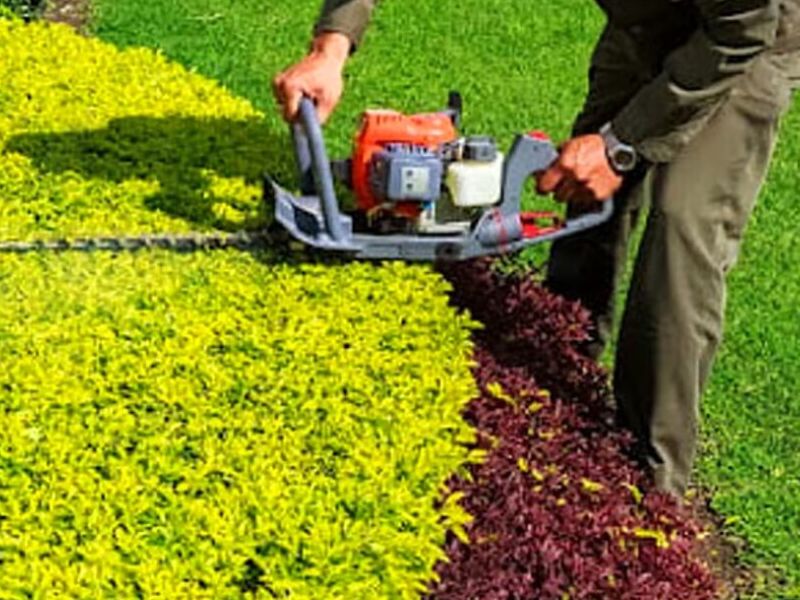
(659, 537)
(496, 390)
(635, 492)
(591, 486)
(203, 425)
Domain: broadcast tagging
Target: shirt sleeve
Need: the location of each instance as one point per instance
(697, 74)
(349, 17)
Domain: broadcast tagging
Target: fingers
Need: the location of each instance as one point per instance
(278, 87)
(291, 104)
(573, 192)
(547, 182)
(603, 188)
(563, 187)
(582, 173)
(325, 106)
(568, 158)
(317, 77)
(288, 92)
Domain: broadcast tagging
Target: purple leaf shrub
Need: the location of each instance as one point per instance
(560, 508)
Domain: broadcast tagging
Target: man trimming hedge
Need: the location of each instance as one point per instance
(684, 103)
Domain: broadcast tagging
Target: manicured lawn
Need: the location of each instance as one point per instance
(519, 67)
(751, 455)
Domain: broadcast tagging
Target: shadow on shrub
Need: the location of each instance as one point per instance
(180, 153)
(27, 9)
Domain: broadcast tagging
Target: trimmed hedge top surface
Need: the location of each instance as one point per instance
(202, 425)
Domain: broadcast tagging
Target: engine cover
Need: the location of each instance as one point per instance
(383, 128)
(403, 172)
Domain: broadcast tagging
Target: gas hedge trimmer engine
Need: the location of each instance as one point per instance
(422, 191)
(414, 173)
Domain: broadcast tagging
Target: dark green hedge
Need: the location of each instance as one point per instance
(27, 9)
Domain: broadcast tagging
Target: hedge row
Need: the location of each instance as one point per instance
(203, 425)
(562, 510)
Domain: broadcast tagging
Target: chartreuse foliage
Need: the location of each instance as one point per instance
(209, 425)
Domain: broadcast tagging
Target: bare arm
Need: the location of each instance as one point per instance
(338, 31)
(318, 75)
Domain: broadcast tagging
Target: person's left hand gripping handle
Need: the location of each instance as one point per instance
(318, 76)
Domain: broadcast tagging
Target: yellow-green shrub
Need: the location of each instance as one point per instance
(202, 425)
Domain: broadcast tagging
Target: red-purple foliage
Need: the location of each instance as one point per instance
(557, 504)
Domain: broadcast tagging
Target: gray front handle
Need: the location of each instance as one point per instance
(530, 155)
(314, 166)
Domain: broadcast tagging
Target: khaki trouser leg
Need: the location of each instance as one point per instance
(673, 318)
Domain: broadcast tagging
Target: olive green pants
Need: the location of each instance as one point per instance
(699, 204)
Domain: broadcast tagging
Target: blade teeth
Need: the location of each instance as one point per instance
(187, 242)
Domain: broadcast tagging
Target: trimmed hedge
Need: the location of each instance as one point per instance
(201, 425)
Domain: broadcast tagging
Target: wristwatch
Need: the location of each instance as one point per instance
(623, 157)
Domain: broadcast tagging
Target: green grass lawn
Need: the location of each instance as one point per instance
(521, 65)
(751, 455)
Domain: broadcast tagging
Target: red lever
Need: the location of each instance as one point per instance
(539, 135)
(539, 223)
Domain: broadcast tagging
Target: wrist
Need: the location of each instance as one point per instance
(332, 46)
(622, 157)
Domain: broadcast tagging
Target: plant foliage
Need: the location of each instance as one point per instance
(201, 425)
(561, 510)
(27, 9)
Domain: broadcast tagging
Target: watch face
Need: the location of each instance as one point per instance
(624, 158)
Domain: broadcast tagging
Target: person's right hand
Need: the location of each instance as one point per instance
(582, 174)
(318, 76)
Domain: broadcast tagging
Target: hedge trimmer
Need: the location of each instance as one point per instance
(422, 192)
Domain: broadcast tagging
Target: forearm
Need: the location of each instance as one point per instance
(347, 17)
(333, 46)
(697, 75)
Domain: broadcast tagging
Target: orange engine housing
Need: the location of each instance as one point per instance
(381, 127)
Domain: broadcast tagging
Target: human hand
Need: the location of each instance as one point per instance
(318, 76)
(582, 173)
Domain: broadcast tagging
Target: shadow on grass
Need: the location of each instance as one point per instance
(183, 154)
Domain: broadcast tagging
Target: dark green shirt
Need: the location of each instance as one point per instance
(349, 17)
(701, 46)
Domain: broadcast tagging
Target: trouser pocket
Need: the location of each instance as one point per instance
(764, 92)
(790, 62)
